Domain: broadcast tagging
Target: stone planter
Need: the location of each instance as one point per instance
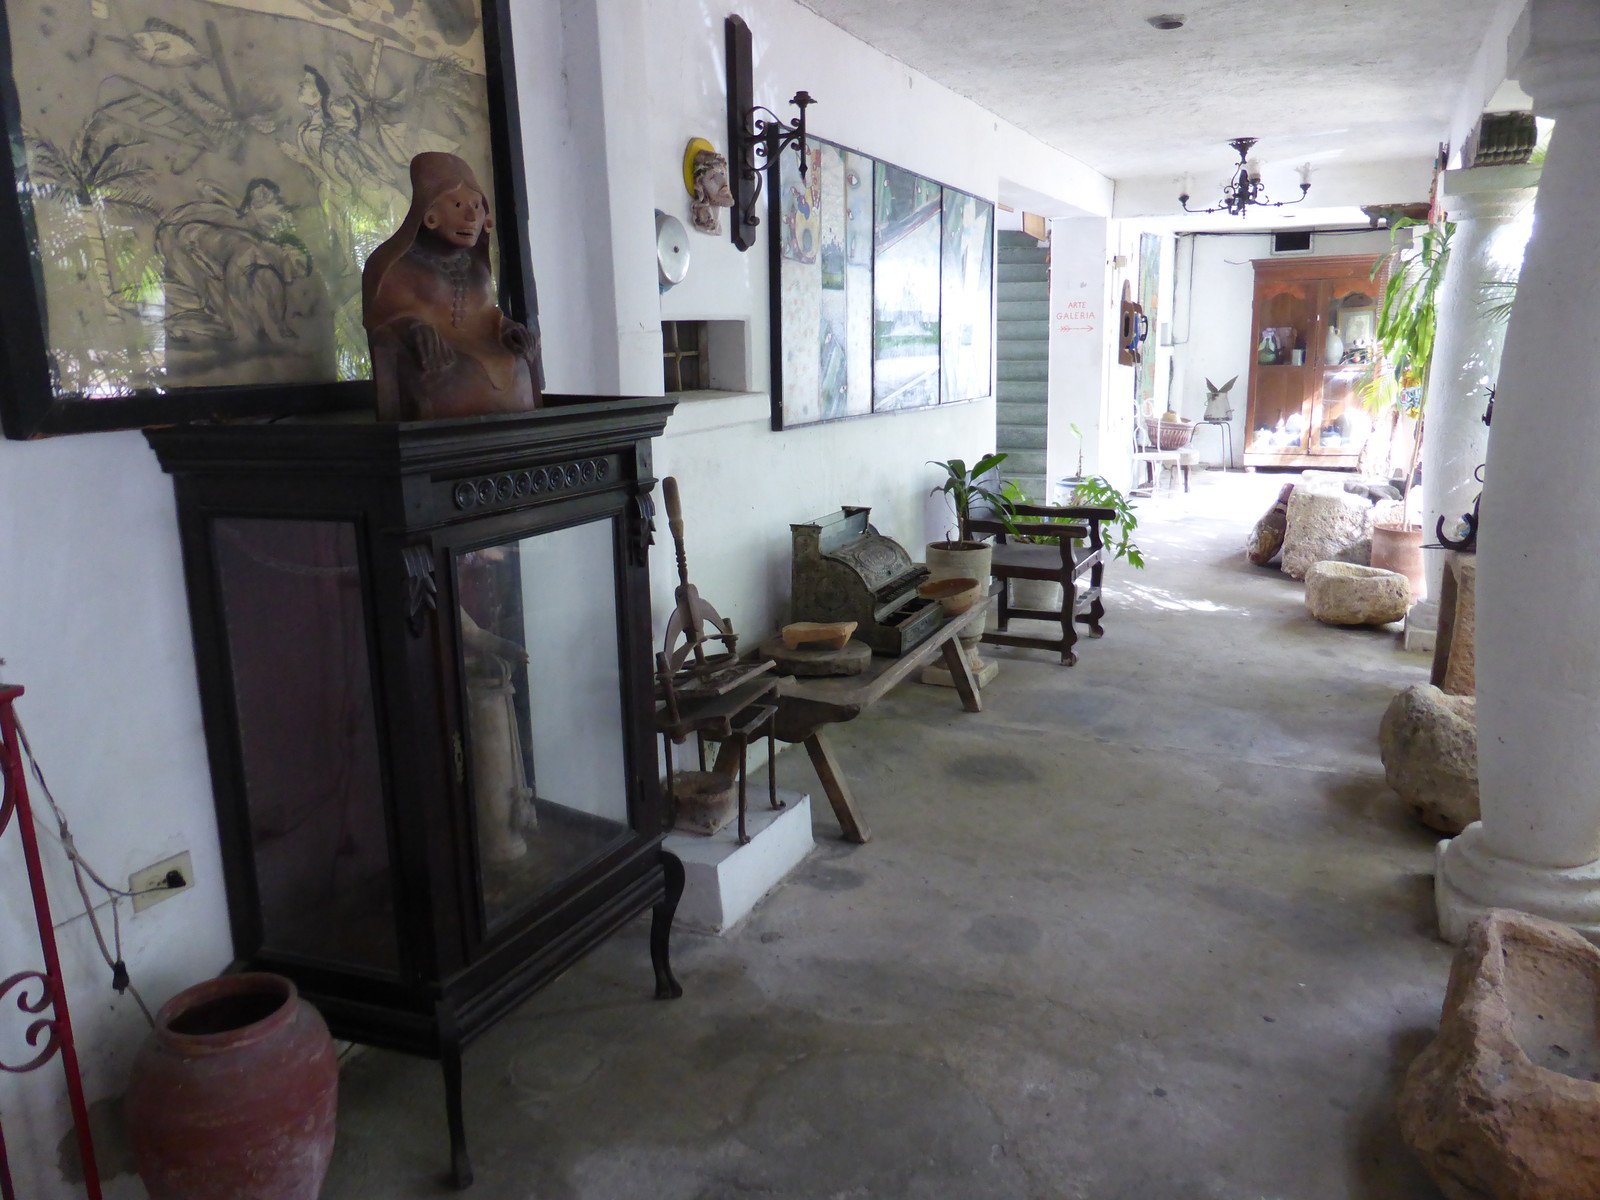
(1504, 1102)
(1041, 595)
(234, 1094)
(959, 560)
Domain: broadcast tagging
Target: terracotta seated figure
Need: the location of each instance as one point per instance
(440, 345)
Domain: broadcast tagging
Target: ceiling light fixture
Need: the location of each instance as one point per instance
(1166, 20)
(1244, 189)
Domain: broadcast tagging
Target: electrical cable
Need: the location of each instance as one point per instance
(119, 968)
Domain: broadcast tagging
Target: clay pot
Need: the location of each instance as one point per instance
(233, 1095)
(1399, 548)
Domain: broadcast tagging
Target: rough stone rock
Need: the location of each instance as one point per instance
(1266, 539)
(1326, 526)
(1459, 634)
(1342, 593)
(1503, 1105)
(1372, 491)
(1429, 744)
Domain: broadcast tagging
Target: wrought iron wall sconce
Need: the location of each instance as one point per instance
(754, 142)
(1244, 190)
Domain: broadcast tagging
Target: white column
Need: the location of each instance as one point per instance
(1538, 590)
(1492, 208)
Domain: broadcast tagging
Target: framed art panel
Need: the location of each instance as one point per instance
(883, 289)
(966, 329)
(194, 186)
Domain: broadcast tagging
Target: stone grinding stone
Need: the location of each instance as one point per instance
(810, 661)
(1266, 539)
(1341, 593)
(1429, 744)
(1504, 1104)
(1326, 526)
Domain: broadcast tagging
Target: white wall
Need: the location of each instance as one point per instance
(93, 618)
(1214, 284)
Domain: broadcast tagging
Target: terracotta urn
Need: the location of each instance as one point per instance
(233, 1096)
(1398, 548)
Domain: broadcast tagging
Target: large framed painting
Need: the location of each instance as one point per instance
(194, 186)
(883, 289)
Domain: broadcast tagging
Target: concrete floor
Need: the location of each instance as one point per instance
(1151, 928)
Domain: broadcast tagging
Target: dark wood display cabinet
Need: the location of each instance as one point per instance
(424, 654)
(1312, 344)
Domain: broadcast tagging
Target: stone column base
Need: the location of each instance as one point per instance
(1470, 879)
(1422, 626)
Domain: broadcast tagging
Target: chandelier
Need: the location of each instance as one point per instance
(1244, 189)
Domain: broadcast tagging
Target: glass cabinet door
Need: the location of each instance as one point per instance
(294, 619)
(1286, 315)
(545, 752)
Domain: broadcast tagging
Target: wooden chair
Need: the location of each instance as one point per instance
(1077, 568)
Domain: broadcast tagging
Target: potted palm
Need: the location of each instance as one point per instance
(1397, 384)
(968, 489)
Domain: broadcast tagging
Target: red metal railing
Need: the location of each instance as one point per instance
(54, 1030)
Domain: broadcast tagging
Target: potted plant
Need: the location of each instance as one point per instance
(960, 557)
(1094, 491)
(1397, 383)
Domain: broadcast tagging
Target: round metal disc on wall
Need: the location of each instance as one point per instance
(672, 249)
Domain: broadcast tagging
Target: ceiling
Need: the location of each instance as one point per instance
(1324, 81)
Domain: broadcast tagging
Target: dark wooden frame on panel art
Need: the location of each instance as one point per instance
(32, 404)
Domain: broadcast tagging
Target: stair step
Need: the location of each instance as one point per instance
(1010, 256)
(1020, 412)
(1032, 370)
(1024, 462)
(1023, 273)
(1022, 370)
(1015, 237)
(1024, 391)
(1022, 291)
(1032, 485)
(1020, 437)
(1023, 311)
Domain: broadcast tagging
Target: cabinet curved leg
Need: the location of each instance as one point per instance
(667, 988)
(450, 1061)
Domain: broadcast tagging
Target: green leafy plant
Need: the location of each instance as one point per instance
(1408, 320)
(965, 487)
(1093, 492)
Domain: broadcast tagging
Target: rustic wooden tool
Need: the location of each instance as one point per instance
(711, 695)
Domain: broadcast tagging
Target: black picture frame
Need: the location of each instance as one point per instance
(791, 411)
(32, 404)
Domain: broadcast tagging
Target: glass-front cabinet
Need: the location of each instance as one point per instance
(424, 658)
(1312, 348)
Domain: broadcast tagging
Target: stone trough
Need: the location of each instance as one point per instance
(1505, 1103)
(1341, 593)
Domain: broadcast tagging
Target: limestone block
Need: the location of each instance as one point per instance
(1266, 539)
(1326, 526)
(1429, 745)
(1342, 593)
(1504, 1103)
(1455, 659)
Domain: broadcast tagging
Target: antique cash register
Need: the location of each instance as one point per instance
(845, 570)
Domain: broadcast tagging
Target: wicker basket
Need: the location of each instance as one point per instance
(1168, 435)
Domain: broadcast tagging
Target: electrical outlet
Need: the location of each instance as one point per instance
(159, 881)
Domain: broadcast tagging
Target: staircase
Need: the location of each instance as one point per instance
(1022, 359)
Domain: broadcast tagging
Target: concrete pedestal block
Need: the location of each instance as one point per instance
(1429, 745)
(1504, 1103)
(1341, 593)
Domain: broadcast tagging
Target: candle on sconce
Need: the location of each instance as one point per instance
(1305, 175)
(1252, 168)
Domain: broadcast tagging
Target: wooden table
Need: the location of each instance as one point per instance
(805, 705)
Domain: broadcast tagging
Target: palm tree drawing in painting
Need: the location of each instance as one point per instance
(100, 179)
